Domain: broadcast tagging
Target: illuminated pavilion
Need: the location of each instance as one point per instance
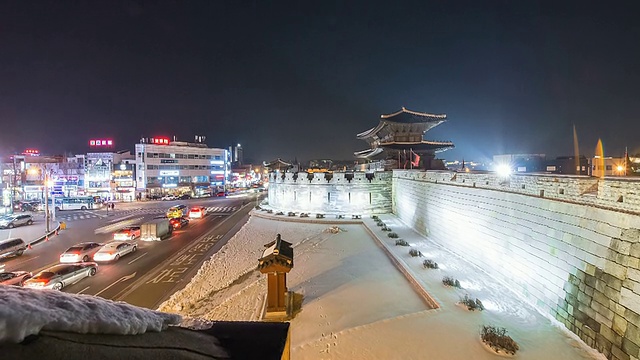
(399, 139)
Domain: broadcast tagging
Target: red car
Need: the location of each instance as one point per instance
(178, 223)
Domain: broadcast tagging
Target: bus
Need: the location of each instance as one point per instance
(75, 203)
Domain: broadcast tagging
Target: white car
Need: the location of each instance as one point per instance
(128, 233)
(169, 197)
(114, 250)
(80, 253)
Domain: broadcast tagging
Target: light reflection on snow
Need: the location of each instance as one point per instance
(468, 285)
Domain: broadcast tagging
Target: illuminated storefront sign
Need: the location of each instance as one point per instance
(169, 172)
(101, 142)
(31, 152)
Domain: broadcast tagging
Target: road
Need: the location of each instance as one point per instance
(157, 269)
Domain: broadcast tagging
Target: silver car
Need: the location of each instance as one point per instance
(114, 250)
(16, 278)
(11, 221)
(80, 252)
(59, 276)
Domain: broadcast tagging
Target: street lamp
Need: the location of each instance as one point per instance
(48, 183)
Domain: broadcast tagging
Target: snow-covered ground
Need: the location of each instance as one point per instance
(25, 312)
(357, 305)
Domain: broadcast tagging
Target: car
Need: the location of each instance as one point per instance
(114, 250)
(184, 197)
(16, 278)
(178, 223)
(221, 194)
(128, 233)
(177, 211)
(26, 205)
(12, 247)
(61, 275)
(169, 197)
(197, 212)
(11, 221)
(82, 252)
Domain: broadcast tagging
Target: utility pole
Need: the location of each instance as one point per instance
(46, 200)
(12, 183)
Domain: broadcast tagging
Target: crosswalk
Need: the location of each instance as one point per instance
(86, 214)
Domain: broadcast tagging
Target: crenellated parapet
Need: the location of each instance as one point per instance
(341, 193)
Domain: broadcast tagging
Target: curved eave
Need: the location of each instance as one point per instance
(368, 153)
(405, 114)
(435, 146)
(371, 132)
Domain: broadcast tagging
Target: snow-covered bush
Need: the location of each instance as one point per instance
(269, 211)
(375, 217)
(340, 217)
(400, 242)
(386, 228)
(498, 340)
(449, 281)
(291, 213)
(394, 236)
(279, 213)
(430, 264)
(380, 223)
(319, 216)
(414, 253)
(258, 207)
(304, 215)
(471, 304)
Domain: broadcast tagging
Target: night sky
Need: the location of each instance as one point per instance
(301, 79)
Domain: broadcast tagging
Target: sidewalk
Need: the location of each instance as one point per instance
(31, 234)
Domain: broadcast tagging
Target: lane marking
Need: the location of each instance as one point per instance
(122, 279)
(136, 259)
(83, 290)
(22, 262)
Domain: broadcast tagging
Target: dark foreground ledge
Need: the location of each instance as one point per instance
(224, 340)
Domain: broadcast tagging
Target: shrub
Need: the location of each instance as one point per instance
(340, 216)
(449, 281)
(400, 242)
(471, 304)
(291, 213)
(375, 217)
(392, 235)
(304, 215)
(270, 211)
(279, 213)
(258, 207)
(430, 264)
(414, 253)
(380, 223)
(319, 216)
(498, 340)
(386, 228)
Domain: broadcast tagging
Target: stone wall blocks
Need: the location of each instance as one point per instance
(619, 325)
(632, 235)
(630, 348)
(630, 300)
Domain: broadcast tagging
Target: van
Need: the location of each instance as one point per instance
(11, 247)
(177, 211)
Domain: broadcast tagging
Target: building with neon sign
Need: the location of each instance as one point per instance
(176, 167)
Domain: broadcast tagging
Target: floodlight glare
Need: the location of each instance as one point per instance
(503, 170)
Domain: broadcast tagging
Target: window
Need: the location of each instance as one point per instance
(190, 156)
(217, 157)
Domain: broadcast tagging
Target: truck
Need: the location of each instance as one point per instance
(155, 230)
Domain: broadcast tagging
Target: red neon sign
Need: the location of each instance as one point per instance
(31, 152)
(101, 142)
(160, 141)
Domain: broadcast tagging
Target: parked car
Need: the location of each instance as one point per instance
(16, 278)
(184, 197)
(80, 252)
(197, 212)
(26, 205)
(114, 250)
(12, 247)
(178, 223)
(222, 194)
(169, 197)
(59, 276)
(11, 221)
(128, 233)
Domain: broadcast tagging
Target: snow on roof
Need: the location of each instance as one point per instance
(25, 312)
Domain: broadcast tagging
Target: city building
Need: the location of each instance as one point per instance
(569, 165)
(177, 167)
(99, 172)
(399, 140)
(607, 166)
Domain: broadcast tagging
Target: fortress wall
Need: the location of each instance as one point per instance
(338, 193)
(577, 263)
